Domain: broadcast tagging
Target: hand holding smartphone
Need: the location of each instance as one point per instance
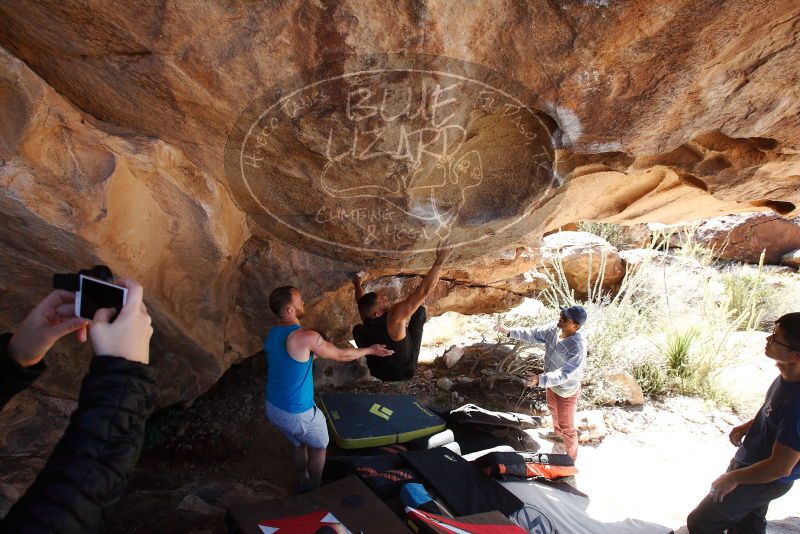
(94, 294)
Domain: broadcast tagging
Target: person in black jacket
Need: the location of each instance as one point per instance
(88, 470)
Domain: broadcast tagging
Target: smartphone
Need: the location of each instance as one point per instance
(94, 294)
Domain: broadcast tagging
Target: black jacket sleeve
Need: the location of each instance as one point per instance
(13, 377)
(89, 468)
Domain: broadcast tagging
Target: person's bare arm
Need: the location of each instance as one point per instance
(778, 465)
(358, 285)
(314, 342)
(402, 311)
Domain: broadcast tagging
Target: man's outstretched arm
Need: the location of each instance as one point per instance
(314, 342)
(402, 311)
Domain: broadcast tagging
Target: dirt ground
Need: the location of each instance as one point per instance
(655, 463)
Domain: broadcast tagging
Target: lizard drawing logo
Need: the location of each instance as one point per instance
(424, 183)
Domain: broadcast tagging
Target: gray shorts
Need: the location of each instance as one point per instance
(306, 428)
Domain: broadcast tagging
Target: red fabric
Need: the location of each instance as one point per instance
(563, 411)
(439, 523)
(300, 524)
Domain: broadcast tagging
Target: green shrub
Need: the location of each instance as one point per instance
(652, 377)
(616, 234)
(687, 246)
(677, 352)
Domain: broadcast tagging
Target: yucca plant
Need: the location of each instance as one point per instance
(677, 352)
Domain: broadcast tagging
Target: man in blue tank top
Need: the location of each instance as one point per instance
(290, 351)
(768, 460)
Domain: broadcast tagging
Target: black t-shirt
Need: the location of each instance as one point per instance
(778, 419)
(403, 363)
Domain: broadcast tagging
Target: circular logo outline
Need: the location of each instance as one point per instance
(285, 96)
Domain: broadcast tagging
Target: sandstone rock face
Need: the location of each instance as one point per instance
(32, 423)
(583, 256)
(76, 193)
(743, 237)
(120, 126)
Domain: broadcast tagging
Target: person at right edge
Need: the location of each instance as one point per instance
(88, 470)
(767, 461)
(564, 358)
(397, 326)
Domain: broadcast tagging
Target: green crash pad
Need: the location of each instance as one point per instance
(359, 420)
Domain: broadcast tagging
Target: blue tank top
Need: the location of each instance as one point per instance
(290, 384)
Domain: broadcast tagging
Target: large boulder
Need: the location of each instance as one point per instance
(743, 237)
(630, 392)
(585, 258)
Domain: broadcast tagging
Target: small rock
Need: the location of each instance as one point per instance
(444, 383)
(193, 503)
(791, 259)
(591, 426)
(454, 394)
(427, 374)
(453, 355)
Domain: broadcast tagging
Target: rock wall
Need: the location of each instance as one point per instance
(116, 121)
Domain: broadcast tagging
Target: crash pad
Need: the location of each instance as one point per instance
(348, 501)
(359, 420)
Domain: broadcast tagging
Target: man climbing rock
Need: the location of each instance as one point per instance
(564, 357)
(767, 461)
(290, 351)
(398, 326)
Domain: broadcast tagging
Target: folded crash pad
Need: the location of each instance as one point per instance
(470, 414)
(550, 511)
(359, 420)
(347, 501)
(465, 489)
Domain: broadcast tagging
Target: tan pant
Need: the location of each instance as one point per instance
(563, 411)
